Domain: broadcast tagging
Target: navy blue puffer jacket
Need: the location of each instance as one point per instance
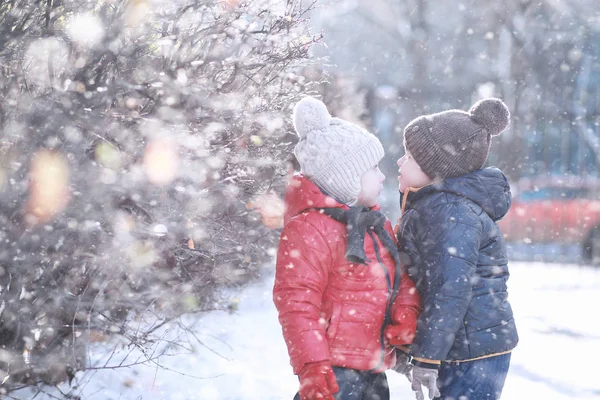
(454, 252)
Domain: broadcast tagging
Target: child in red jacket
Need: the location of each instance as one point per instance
(343, 300)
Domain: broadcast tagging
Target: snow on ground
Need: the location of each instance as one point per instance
(245, 357)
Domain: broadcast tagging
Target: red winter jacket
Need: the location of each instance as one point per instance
(329, 308)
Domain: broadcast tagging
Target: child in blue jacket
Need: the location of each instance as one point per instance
(454, 252)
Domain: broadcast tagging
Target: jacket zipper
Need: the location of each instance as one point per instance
(388, 303)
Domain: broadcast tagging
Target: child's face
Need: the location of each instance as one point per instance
(371, 184)
(410, 173)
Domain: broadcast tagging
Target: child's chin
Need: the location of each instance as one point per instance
(372, 203)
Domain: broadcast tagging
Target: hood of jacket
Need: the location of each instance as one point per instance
(487, 187)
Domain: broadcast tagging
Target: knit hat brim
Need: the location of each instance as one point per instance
(445, 160)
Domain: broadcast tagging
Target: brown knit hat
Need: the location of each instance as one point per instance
(455, 142)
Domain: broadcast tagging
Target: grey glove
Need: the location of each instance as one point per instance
(425, 377)
(403, 365)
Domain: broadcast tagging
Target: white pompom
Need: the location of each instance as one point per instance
(310, 114)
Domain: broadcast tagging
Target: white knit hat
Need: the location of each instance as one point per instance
(333, 153)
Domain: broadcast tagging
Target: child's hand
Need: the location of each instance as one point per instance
(317, 381)
(427, 377)
(270, 207)
(403, 365)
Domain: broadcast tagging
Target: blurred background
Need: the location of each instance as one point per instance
(413, 57)
(145, 147)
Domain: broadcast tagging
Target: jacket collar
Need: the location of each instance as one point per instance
(486, 187)
(302, 194)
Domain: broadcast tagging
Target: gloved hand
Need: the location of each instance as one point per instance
(317, 381)
(403, 365)
(426, 377)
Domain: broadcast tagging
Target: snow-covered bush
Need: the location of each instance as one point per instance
(132, 135)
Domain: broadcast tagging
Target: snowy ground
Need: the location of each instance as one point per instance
(555, 360)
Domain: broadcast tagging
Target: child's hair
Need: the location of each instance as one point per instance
(333, 153)
(455, 142)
